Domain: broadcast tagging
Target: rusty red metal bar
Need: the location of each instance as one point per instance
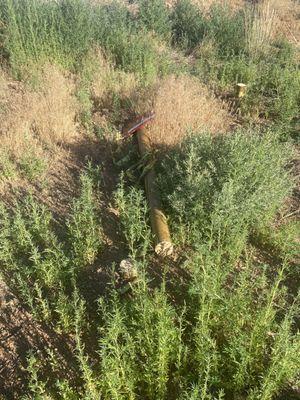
(138, 125)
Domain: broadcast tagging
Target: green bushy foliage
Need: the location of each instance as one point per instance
(222, 323)
(32, 258)
(84, 232)
(227, 30)
(40, 266)
(222, 187)
(228, 328)
(133, 211)
(188, 24)
(65, 31)
(152, 333)
(129, 45)
(280, 88)
(273, 84)
(239, 69)
(8, 168)
(154, 15)
(35, 31)
(136, 53)
(225, 330)
(228, 338)
(282, 242)
(31, 167)
(112, 18)
(222, 58)
(83, 95)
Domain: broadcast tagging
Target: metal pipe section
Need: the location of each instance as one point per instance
(159, 224)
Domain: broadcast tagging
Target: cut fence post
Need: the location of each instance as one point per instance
(241, 89)
(159, 224)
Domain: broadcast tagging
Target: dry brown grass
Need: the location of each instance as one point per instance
(13, 110)
(261, 26)
(269, 18)
(288, 12)
(207, 4)
(54, 106)
(48, 113)
(183, 104)
(33, 123)
(107, 80)
(110, 85)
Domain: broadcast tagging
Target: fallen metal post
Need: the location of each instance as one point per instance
(159, 224)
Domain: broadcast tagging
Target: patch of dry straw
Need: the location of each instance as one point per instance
(108, 81)
(261, 22)
(205, 5)
(181, 105)
(46, 115)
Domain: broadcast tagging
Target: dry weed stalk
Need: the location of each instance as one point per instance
(183, 104)
(260, 25)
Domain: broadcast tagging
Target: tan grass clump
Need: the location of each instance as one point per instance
(47, 113)
(288, 12)
(107, 80)
(15, 114)
(54, 106)
(33, 122)
(183, 104)
(264, 19)
(260, 26)
(205, 5)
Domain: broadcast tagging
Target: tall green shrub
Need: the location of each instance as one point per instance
(188, 24)
(39, 265)
(154, 15)
(222, 187)
(36, 31)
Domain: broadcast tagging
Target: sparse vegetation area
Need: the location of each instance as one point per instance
(220, 318)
